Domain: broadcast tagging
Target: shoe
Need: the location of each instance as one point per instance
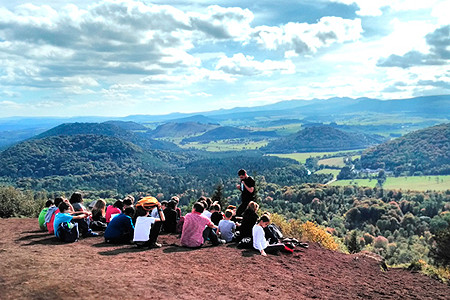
(222, 241)
(91, 234)
(154, 245)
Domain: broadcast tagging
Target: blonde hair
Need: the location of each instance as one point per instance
(253, 206)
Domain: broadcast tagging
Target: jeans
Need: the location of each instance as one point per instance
(208, 233)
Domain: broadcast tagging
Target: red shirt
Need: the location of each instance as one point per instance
(193, 227)
(50, 228)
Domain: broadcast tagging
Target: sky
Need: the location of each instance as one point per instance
(118, 58)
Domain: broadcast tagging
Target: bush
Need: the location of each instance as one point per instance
(440, 251)
(352, 243)
(380, 242)
(314, 233)
(15, 203)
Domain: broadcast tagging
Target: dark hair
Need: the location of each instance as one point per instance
(202, 198)
(172, 204)
(228, 213)
(63, 206)
(127, 201)
(242, 172)
(264, 218)
(49, 203)
(58, 201)
(118, 204)
(198, 206)
(176, 199)
(129, 211)
(215, 207)
(164, 202)
(139, 212)
(76, 198)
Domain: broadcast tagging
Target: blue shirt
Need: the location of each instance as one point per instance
(226, 228)
(61, 218)
(120, 225)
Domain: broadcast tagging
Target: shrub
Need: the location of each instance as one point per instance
(15, 203)
(314, 233)
(440, 251)
(368, 238)
(380, 242)
(352, 243)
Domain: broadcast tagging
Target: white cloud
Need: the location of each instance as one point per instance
(304, 38)
(241, 64)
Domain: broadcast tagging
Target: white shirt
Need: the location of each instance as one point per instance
(142, 229)
(259, 238)
(207, 214)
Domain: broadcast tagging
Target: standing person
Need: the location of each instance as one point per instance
(247, 187)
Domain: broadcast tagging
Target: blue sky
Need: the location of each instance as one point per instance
(116, 58)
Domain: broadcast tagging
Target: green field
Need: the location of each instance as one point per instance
(335, 161)
(225, 146)
(328, 171)
(301, 157)
(418, 183)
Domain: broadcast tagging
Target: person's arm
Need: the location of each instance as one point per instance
(259, 239)
(80, 216)
(250, 189)
(161, 213)
(211, 225)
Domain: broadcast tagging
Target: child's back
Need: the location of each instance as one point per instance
(227, 228)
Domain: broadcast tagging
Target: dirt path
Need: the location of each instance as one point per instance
(33, 265)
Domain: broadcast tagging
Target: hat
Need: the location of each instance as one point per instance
(147, 203)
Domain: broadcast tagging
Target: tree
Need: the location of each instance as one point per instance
(218, 195)
(353, 244)
(440, 250)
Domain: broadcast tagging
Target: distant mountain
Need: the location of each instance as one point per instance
(174, 130)
(321, 138)
(127, 125)
(425, 151)
(73, 155)
(195, 119)
(142, 139)
(229, 132)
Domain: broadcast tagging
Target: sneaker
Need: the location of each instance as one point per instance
(90, 234)
(154, 245)
(222, 241)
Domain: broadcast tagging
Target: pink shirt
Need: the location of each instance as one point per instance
(193, 227)
(110, 210)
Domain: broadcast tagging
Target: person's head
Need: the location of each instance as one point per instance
(267, 213)
(140, 212)
(253, 206)
(215, 208)
(63, 207)
(76, 198)
(49, 203)
(232, 208)
(128, 201)
(176, 199)
(99, 205)
(172, 204)
(242, 174)
(129, 211)
(228, 214)
(264, 221)
(58, 201)
(118, 204)
(164, 204)
(208, 203)
(198, 207)
(204, 203)
(202, 198)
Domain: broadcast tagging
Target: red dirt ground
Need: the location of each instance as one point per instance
(34, 265)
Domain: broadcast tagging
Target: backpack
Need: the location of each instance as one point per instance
(68, 232)
(245, 243)
(276, 231)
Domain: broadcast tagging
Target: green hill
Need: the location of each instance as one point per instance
(229, 132)
(425, 151)
(321, 138)
(142, 139)
(74, 155)
(174, 130)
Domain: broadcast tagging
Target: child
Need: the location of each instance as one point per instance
(66, 215)
(120, 230)
(227, 227)
(194, 232)
(216, 214)
(77, 202)
(51, 213)
(177, 209)
(128, 201)
(114, 209)
(147, 229)
(259, 240)
(44, 211)
(98, 221)
(170, 224)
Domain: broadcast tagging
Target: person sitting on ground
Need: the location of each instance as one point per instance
(77, 202)
(41, 218)
(113, 210)
(207, 204)
(98, 220)
(67, 215)
(147, 229)
(194, 232)
(121, 228)
(249, 219)
(177, 209)
(128, 201)
(51, 213)
(234, 218)
(216, 214)
(261, 244)
(227, 227)
(170, 224)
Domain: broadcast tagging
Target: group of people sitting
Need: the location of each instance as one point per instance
(140, 222)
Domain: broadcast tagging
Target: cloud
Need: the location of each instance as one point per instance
(245, 65)
(439, 53)
(304, 38)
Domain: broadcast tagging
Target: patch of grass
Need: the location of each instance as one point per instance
(335, 172)
(335, 161)
(301, 157)
(226, 146)
(417, 183)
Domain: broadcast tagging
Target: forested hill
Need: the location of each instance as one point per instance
(425, 151)
(228, 132)
(322, 138)
(181, 129)
(142, 139)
